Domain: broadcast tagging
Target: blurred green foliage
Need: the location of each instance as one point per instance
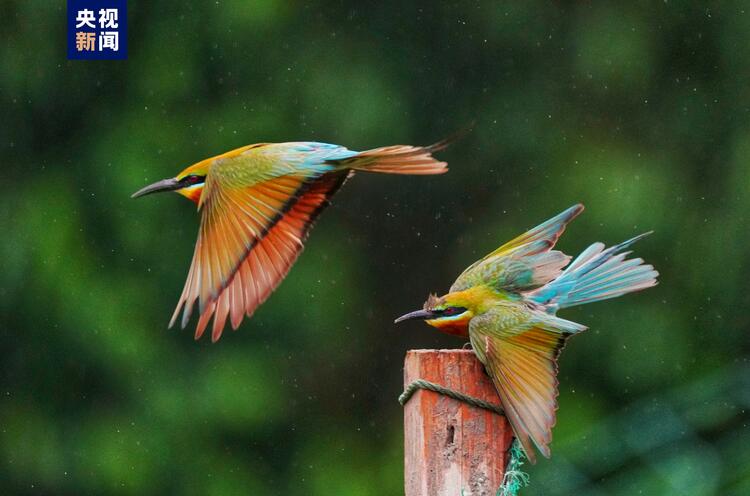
(639, 110)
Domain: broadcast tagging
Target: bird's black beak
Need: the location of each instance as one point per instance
(419, 314)
(163, 185)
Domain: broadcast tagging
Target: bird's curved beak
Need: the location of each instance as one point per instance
(419, 314)
(170, 184)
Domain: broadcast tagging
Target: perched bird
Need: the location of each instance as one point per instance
(506, 304)
(257, 206)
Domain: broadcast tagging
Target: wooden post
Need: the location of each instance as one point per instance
(451, 448)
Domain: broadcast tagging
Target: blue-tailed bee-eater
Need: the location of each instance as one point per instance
(257, 206)
(506, 303)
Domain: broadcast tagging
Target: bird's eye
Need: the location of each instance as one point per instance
(452, 311)
(192, 179)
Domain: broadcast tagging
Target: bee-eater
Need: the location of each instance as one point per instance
(257, 206)
(506, 304)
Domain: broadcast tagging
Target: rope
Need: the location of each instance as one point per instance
(437, 388)
(513, 479)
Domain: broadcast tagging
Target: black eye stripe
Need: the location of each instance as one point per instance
(191, 180)
(451, 311)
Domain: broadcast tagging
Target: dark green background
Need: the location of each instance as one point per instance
(640, 112)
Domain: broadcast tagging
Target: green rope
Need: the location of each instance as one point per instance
(513, 479)
(431, 386)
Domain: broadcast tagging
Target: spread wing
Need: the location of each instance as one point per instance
(252, 231)
(524, 263)
(522, 362)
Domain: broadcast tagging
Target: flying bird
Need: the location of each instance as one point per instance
(257, 205)
(506, 303)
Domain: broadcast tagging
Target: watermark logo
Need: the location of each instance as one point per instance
(97, 29)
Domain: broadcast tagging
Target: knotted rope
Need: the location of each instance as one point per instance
(513, 479)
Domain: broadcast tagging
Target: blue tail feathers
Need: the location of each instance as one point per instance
(597, 274)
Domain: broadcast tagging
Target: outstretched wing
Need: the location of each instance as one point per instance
(522, 362)
(241, 256)
(524, 263)
(253, 225)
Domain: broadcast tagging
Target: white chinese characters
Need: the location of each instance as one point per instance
(108, 18)
(97, 31)
(109, 40)
(85, 17)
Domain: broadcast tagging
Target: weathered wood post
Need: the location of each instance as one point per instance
(450, 447)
